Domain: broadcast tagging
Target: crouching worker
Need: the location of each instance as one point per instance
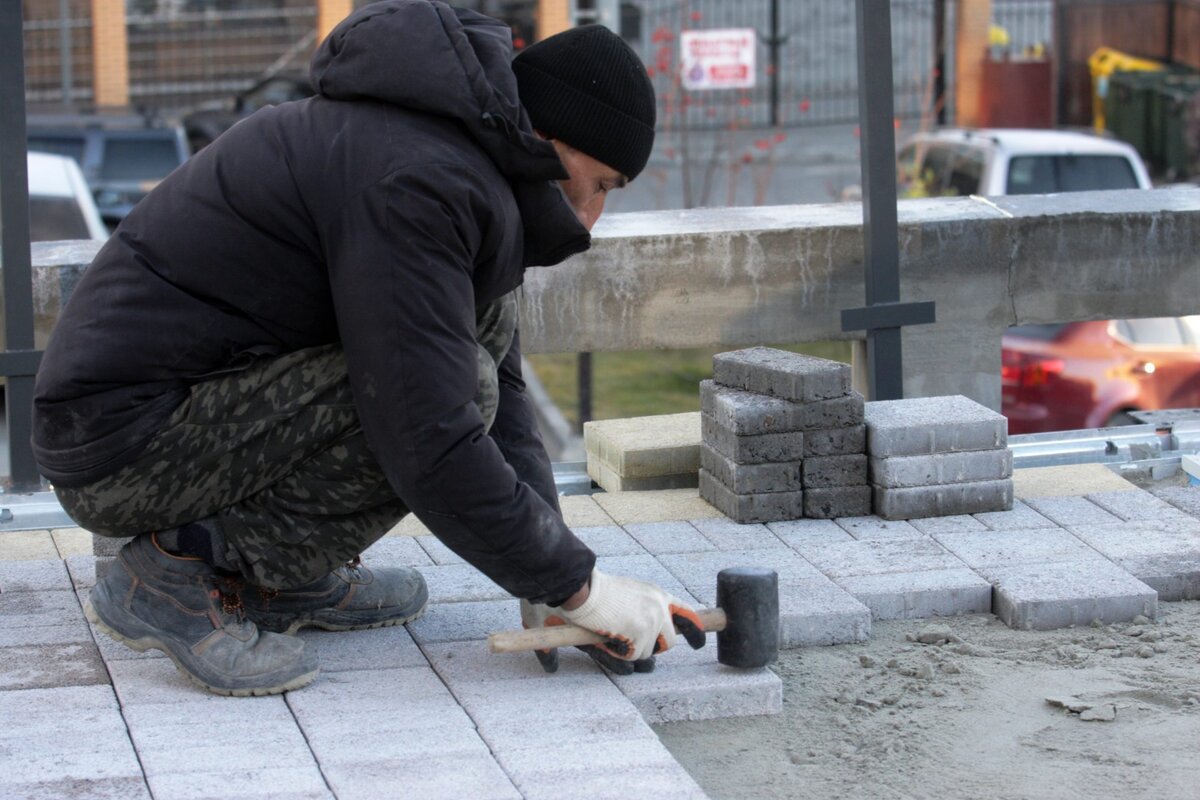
(309, 330)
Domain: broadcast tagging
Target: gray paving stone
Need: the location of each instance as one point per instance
(470, 662)
(939, 468)
(614, 754)
(609, 540)
(1071, 510)
(770, 507)
(89, 713)
(129, 788)
(1021, 517)
(456, 622)
(669, 537)
(659, 782)
(74, 632)
(763, 448)
(1138, 505)
(552, 730)
(955, 523)
(819, 612)
(38, 609)
(408, 698)
(835, 441)
(879, 556)
(751, 478)
(918, 595)
(792, 376)
(984, 550)
(1174, 577)
(155, 682)
(460, 583)
(944, 499)
(438, 551)
(497, 705)
(646, 568)
(378, 648)
(1062, 594)
(82, 570)
(396, 551)
(302, 782)
(698, 571)
(697, 690)
(1140, 538)
(749, 414)
(370, 744)
(453, 777)
(837, 501)
(181, 718)
(46, 666)
(1185, 498)
(797, 532)
(725, 534)
(920, 426)
(868, 528)
(243, 744)
(34, 576)
(108, 546)
(825, 472)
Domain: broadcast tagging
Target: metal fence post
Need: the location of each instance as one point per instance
(19, 362)
(884, 314)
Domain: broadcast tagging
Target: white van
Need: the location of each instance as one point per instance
(998, 161)
(60, 204)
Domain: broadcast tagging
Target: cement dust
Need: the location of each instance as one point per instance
(966, 707)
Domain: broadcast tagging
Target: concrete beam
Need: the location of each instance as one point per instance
(731, 277)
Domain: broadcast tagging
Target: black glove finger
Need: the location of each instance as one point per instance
(611, 663)
(691, 631)
(548, 659)
(644, 665)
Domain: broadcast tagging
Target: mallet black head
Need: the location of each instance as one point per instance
(749, 596)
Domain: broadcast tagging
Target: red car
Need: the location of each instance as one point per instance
(1091, 374)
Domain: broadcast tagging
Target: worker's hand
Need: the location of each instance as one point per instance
(637, 619)
(537, 616)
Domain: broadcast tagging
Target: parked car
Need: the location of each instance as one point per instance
(60, 203)
(122, 158)
(992, 162)
(209, 121)
(1092, 374)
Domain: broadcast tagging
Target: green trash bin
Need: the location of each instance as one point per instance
(1127, 107)
(1172, 106)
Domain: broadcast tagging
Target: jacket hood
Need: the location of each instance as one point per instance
(429, 57)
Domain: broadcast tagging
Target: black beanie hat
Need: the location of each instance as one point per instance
(586, 87)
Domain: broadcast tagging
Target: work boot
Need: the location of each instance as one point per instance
(152, 599)
(350, 598)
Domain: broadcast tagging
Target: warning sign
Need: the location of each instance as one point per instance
(718, 59)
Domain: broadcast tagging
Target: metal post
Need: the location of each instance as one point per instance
(774, 43)
(585, 389)
(20, 365)
(64, 50)
(884, 314)
(939, 60)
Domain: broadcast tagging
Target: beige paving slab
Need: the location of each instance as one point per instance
(27, 546)
(662, 506)
(582, 511)
(72, 542)
(1066, 481)
(645, 447)
(409, 526)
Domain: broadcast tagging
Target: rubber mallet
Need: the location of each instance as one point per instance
(746, 620)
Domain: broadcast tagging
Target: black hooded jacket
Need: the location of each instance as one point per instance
(380, 213)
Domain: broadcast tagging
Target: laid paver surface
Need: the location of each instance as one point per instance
(426, 711)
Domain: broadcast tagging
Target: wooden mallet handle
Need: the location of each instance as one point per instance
(573, 636)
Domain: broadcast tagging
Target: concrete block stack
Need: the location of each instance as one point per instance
(782, 438)
(938, 456)
(643, 453)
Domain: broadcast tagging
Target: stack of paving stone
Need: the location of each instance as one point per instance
(782, 438)
(938, 456)
(643, 453)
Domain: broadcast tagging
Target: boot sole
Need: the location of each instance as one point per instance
(144, 643)
(327, 625)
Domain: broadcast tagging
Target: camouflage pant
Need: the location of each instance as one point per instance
(273, 460)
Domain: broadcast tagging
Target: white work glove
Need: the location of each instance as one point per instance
(637, 619)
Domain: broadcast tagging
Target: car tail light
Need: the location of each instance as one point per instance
(1022, 370)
